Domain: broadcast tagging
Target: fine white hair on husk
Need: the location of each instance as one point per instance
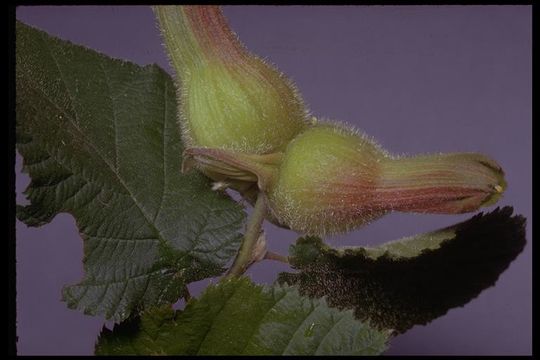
(295, 101)
(344, 128)
(324, 220)
(182, 79)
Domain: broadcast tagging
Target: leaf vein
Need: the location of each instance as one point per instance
(164, 154)
(118, 178)
(215, 317)
(258, 328)
(299, 326)
(114, 116)
(328, 332)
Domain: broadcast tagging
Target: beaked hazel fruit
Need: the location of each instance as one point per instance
(229, 98)
(332, 180)
(245, 126)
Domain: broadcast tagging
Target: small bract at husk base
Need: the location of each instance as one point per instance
(333, 179)
(230, 99)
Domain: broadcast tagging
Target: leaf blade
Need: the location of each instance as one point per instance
(218, 323)
(413, 280)
(100, 141)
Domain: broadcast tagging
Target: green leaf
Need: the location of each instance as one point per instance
(100, 141)
(237, 317)
(413, 280)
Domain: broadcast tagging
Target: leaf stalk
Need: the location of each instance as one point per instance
(245, 255)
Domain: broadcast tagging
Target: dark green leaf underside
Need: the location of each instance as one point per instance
(414, 280)
(236, 317)
(100, 141)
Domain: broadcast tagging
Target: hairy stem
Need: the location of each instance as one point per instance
(245, 256)
(278, 257)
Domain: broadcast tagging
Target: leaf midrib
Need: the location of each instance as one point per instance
(74, 125)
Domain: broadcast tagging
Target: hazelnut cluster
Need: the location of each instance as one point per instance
(245, 125)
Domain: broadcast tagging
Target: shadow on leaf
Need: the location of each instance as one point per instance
(413, 280)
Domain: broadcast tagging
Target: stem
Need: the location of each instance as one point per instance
(278, 257)
(186, 295)
(244, 258)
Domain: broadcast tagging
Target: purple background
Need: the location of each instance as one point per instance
(419, 79)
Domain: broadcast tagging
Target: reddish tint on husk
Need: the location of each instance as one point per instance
(229, 98)
(333, 180)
